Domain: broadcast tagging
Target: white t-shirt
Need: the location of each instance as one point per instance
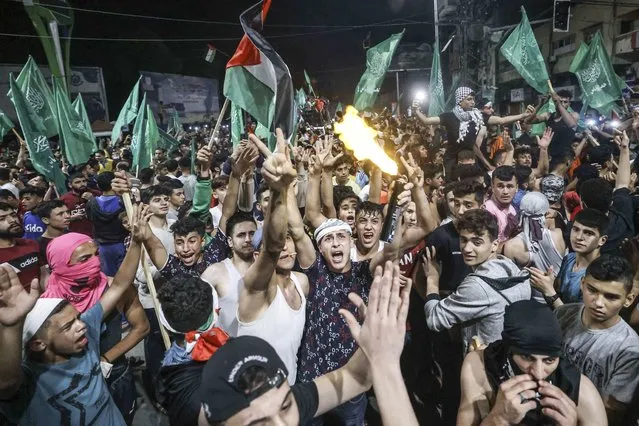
(166, 238)
(216, 215)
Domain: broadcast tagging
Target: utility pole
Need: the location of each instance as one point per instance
(436, 16)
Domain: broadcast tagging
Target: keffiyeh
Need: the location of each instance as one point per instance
(532, 213)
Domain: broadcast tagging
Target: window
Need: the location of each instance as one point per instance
(564, 45)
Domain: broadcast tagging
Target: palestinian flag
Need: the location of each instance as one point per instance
(257, 79)
(210, 55)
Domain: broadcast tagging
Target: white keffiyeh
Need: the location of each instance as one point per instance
(465, 118)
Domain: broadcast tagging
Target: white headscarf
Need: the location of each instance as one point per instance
(532, 219)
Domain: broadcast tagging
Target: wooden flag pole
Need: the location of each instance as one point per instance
(22, 142)
(128, 205)
(552, 90)
(219, 121)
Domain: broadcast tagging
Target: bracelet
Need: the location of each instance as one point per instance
(550, 300)
(105, 359)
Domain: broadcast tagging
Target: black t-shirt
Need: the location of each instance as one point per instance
(445, 239)
(621, 216)
(450, 121)
(562, 138)
(526, 139)
(307, 400)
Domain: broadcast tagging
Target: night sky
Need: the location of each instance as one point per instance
(332, 56)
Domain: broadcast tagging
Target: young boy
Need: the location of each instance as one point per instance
(219, 185)
(478, 303)
(30, 198)
(587, 236)
(56, 217)
(176, 199)
(504, 187)
(597, 340)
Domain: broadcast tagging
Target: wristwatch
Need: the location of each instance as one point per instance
(550, 300)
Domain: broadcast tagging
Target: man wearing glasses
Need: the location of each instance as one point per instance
(563, 123)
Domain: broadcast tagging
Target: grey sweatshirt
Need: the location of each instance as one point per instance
(477, 306)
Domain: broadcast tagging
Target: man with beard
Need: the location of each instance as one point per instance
(523, 379)
(272, 301)
(76, 200)
(504, 187)
(22, 254)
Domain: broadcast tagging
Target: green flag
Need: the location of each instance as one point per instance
(538, 128)
(339, 108)
(167, 141)
(38, 94)
(522, 51)
(42, 17)
(263, 132)
(600, 86)
(5, 124)
(308, 81)
(437, 103)
(378, 59)
(175, 125)
(128, 112)
(35, 135)
(78, 106)
(300, 97)
(152, 133)
(193, 150)
(142, 156)
(77, 144)
(237, 124)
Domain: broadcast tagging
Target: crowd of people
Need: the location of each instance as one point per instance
(264, 291)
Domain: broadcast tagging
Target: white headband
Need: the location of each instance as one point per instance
(331, 225)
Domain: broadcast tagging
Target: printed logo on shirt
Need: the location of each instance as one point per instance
(33, 227)
(31, 259)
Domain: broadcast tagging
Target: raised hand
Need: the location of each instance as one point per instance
(246, 157)
(15, 301)
(314, 166)
(430, 265)
(530, 111)
(324, 149)
(203, 157)
(140, 229)
(542, 281)
(381, 336)
(120, 183)
(278, 171)
(544, 141)
(414, 173)
(622, 139)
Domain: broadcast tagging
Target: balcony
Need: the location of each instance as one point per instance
(627, 46)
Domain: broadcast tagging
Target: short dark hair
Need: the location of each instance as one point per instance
(466, 172)
(236, 219)
(597, 194)
(44, 209)
(75, 175)
(478, 221)
(564, 94)
(154, 191)
(608, 267)
(521, 150)
(187, 302)
(465, 155)
(5, 207)
(593, 218)
(369, 208)
(171, 165)
(344, 159)
(174, 184)
(5, 173)
(261, 190)
(33, 190)
(219, 182)
(431, 170)
(146, 175)
(504, 173)
(463, 189)
(104, 180)
(341, 193)
(523, 174)
(185, 162)
(186, 225)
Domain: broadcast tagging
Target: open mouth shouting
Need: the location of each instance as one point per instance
(337, 257)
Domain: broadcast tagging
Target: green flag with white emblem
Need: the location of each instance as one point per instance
(437, 103)
(78, 106)
(142, 157)
(35, 135)
(5, 124)
(237, 123)
(128, 112)
(378, 59)
(77, 144)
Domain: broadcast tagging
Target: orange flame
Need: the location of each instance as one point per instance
(360, 139)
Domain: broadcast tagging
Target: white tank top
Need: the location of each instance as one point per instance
(281, 326)
(230, 302)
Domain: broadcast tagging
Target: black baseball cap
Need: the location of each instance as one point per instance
(222, 397)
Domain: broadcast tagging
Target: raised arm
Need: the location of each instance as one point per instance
(312, 213)
(427, 222)
(306, 254)
(141, 231)
(245, 157)
(425, 119)
(623, 172)
(569, 118)
(530, 111)
(543, 165)
(203, 192)
(510, 149)
(15, 304)
(375, 188)
(477, 149)
(258, 283)
(324, 149)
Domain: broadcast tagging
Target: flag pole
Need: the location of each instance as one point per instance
(13, 129)
(552, 90)
(219, 121)
(128, 205)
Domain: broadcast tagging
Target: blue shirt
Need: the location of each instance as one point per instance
(570, 286)
(69, 393)
(33, 226)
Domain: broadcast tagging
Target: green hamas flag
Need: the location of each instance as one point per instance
(522, 51)
(263, 132)
(167, 141)
(35, 135)
(78, 106)
(538, 128)
(378, 59)
(128, 112)
(139, 147)
(300, 97)
(5, 124)
(77, 144)
(38, 94)
(152, 133)
(600, 86)
(175, 125)
(53, 20)
(437, 103)
(308, 81)
(237, 124)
